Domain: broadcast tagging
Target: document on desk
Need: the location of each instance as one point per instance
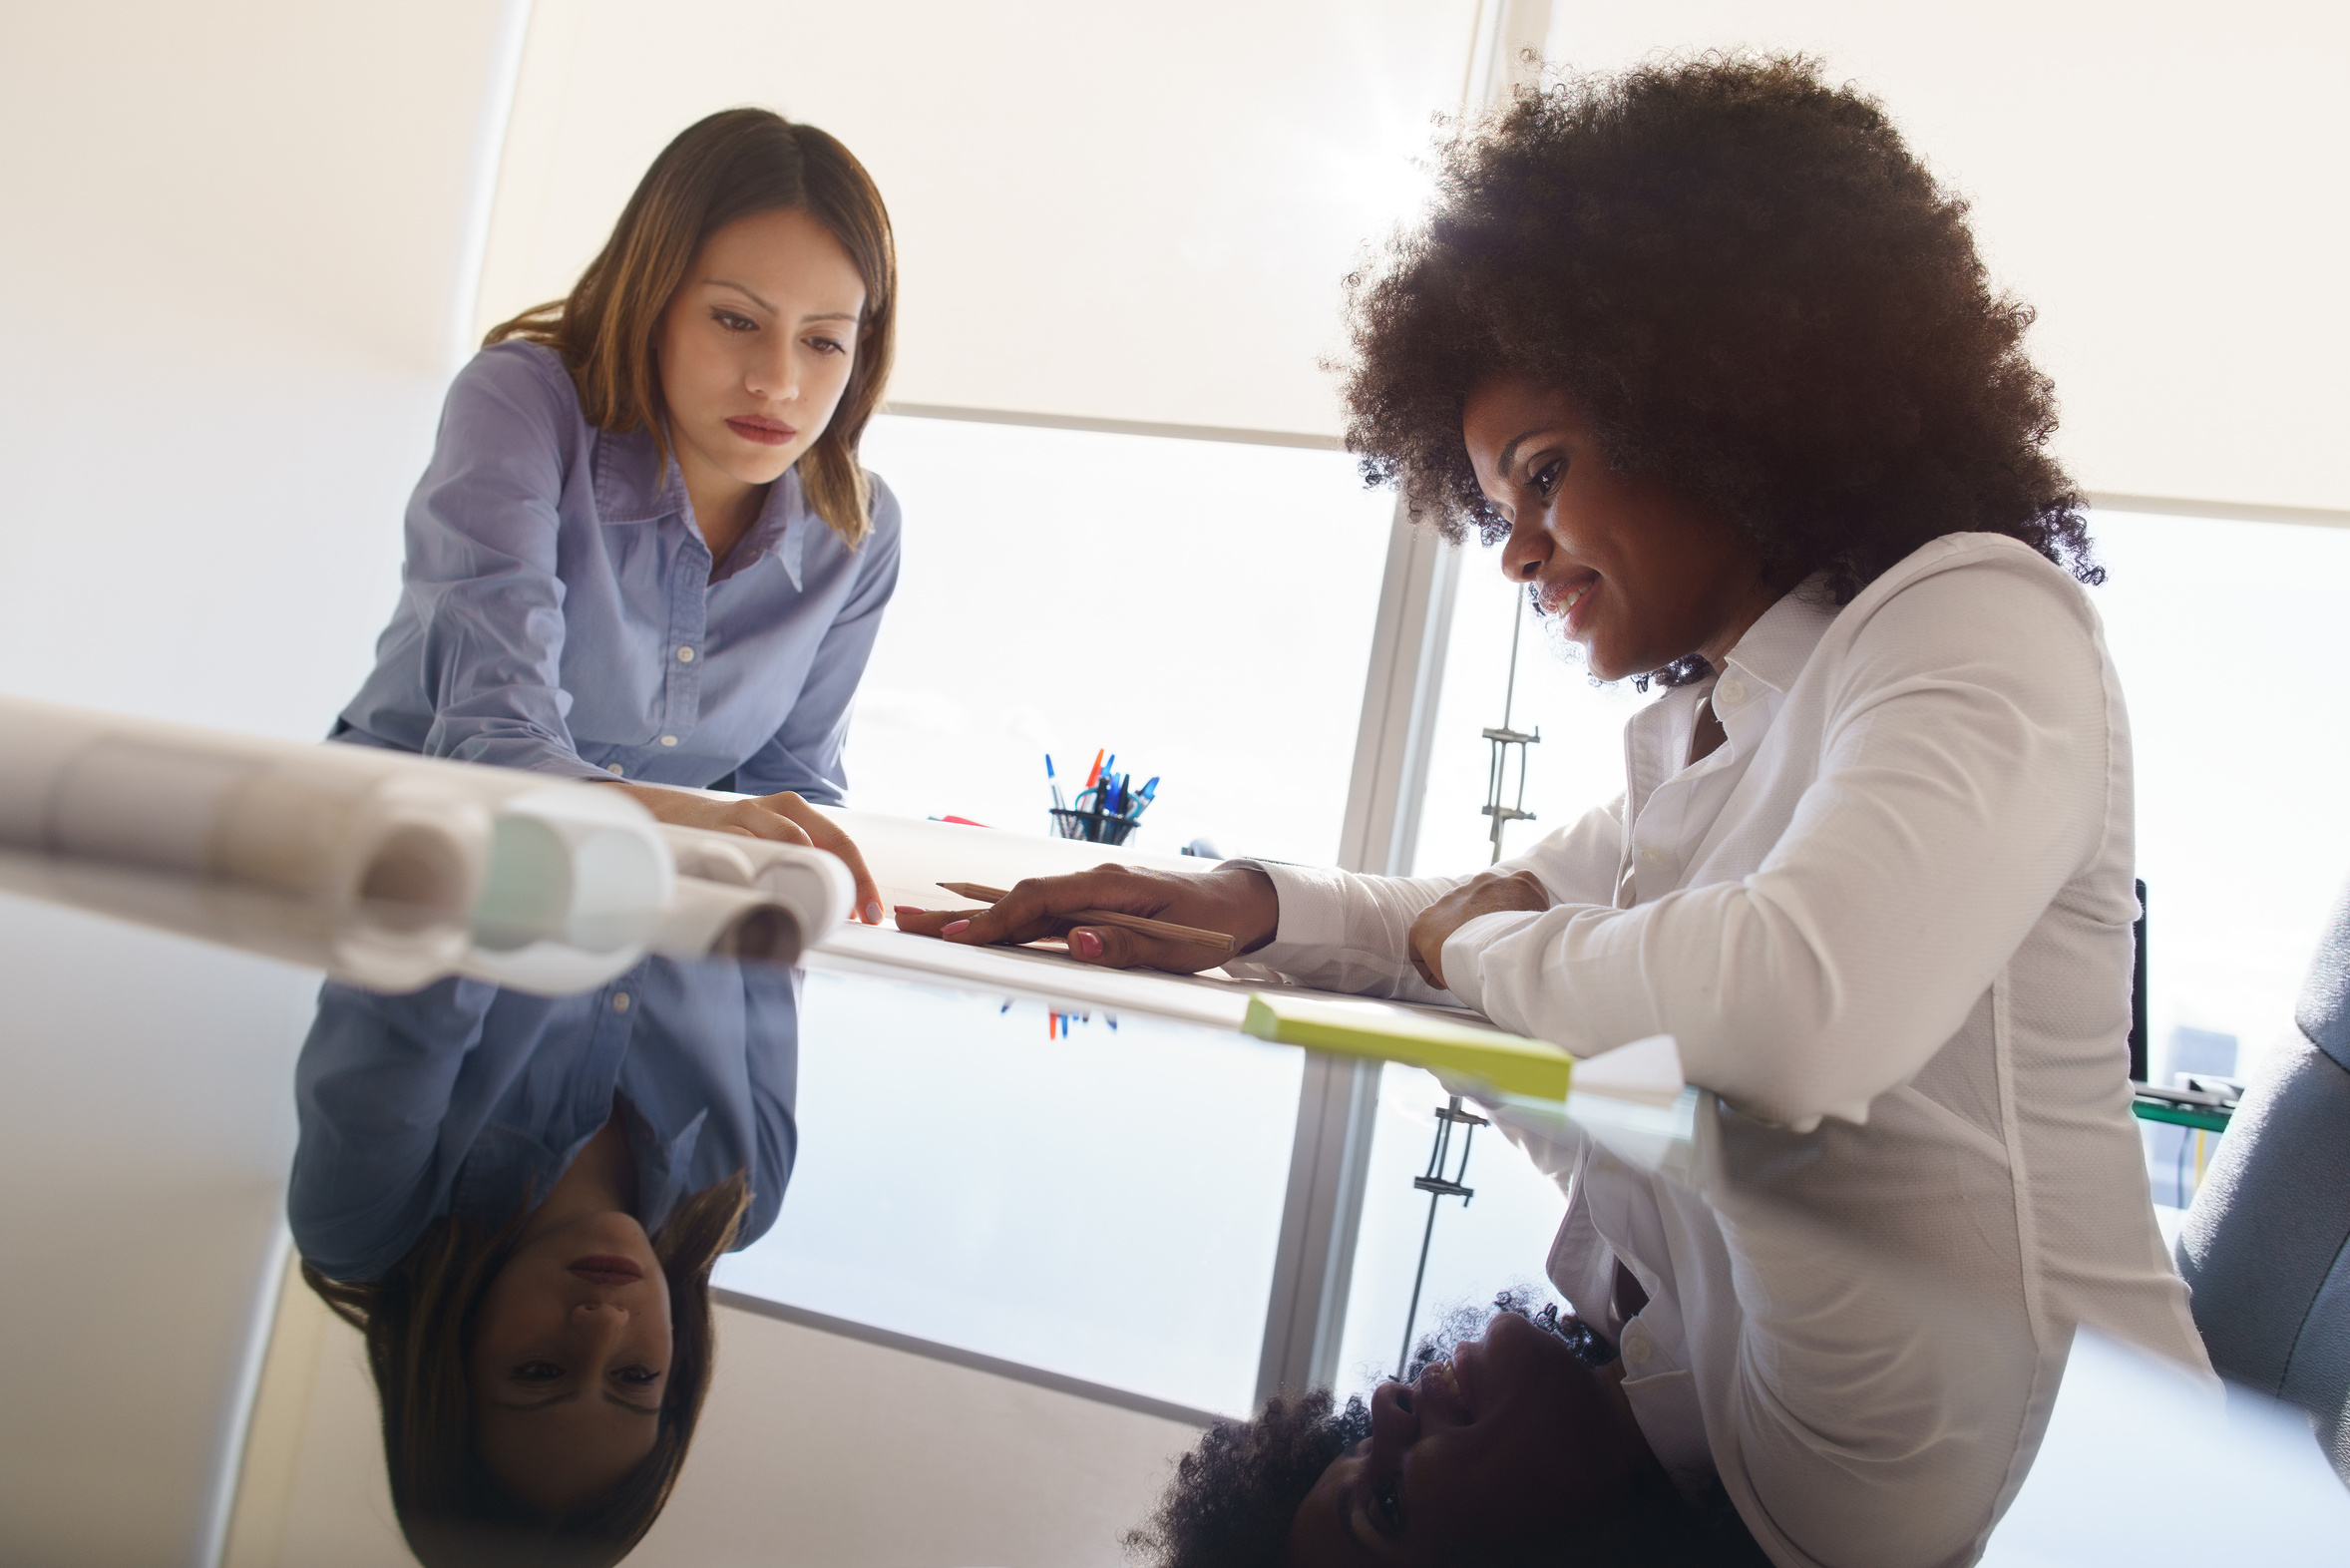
(1352, 1026)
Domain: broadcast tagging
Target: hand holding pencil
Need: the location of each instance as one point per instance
(1120, 917)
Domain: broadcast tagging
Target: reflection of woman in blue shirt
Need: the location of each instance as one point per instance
(463, 1099)
(518, 1200)
(645, 551)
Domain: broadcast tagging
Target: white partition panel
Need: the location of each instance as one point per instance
(1134, 212)
(2163, 181)
(238, 252)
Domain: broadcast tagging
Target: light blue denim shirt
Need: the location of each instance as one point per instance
(463, 1098)
(559, 611)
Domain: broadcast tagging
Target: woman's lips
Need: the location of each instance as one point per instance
(1469, 1361)
(766, 432)
(604, 1268)
(1571, 600)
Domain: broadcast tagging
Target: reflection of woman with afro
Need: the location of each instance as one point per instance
(1711, 356)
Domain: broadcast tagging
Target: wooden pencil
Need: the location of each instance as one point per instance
(1221, 941)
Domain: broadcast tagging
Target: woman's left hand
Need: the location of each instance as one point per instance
(1489, 894)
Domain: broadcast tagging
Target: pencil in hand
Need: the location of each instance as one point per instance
(1215, 941)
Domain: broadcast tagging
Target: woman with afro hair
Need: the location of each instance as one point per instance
(1711, 356)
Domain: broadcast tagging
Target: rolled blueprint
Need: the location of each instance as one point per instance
(578, 881)
(712, 920)
(814, 885)
(373, 865)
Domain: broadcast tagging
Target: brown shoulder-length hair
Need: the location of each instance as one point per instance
(732, 164)
(418, 1320)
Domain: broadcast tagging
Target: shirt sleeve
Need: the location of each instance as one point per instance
(482, 576)
(805, 755)
(1346, 931)
(1963, 780)
(371, 1090)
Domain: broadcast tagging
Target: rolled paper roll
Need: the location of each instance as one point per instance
(321, 856)
(577, 882)
(814, 885)
(714, 920)
(384, 868)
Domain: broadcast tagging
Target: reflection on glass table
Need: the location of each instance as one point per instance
(1475, 1249)
(517, 1200)
(1091, 1193)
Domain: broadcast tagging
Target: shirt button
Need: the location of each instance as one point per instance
(621, 1003)
(614, 768)
(1653, 855)
(668, 740)
(1637, 1349)
(1733, 692)
(685, 655)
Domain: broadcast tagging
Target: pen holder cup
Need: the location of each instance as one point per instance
(1095, 827)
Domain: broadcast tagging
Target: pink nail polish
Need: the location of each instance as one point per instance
(956, 927)
(1087, 944)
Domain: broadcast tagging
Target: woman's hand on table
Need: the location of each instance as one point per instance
(1489, 894)
(1237, 900)
(785, 818)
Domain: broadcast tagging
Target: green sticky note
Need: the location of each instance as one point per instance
(1509, 1063)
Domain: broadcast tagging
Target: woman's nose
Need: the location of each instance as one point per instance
(599, 1317)
(775, 376)
(1395, 1426)
(1527, 549)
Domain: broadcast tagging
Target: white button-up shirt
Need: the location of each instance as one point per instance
(1888, 920)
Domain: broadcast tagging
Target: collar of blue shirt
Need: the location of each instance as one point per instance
(625, 497)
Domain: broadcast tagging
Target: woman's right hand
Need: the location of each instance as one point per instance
(1238, 900)
(785, 818)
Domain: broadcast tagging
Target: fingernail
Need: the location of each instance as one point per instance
(872, 913)
(956, 927)
(905, 910)
(1086, 943)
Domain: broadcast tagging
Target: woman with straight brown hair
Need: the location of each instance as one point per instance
(645, 551)
(518, 1201)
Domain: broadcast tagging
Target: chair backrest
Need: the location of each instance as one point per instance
(2266, 1243)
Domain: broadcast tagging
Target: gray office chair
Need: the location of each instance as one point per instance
(2266, 1243)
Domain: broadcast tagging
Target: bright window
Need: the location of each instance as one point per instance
(1098, 1199)
(2225, 635)
(1201, 608)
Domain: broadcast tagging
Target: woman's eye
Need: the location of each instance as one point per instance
(637, 1375)
(732, 322)
(1546, 477)
(825, 345)
(536, 1371)
(1387, 1504)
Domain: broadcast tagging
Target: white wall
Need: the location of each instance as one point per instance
(2164, 181)
(1129, 212)
(813, 1449)
(237, 258)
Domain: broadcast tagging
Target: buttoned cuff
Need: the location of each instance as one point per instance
(1312, 908)
(1464, 952)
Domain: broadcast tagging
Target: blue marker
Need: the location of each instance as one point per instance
(1058, 804)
